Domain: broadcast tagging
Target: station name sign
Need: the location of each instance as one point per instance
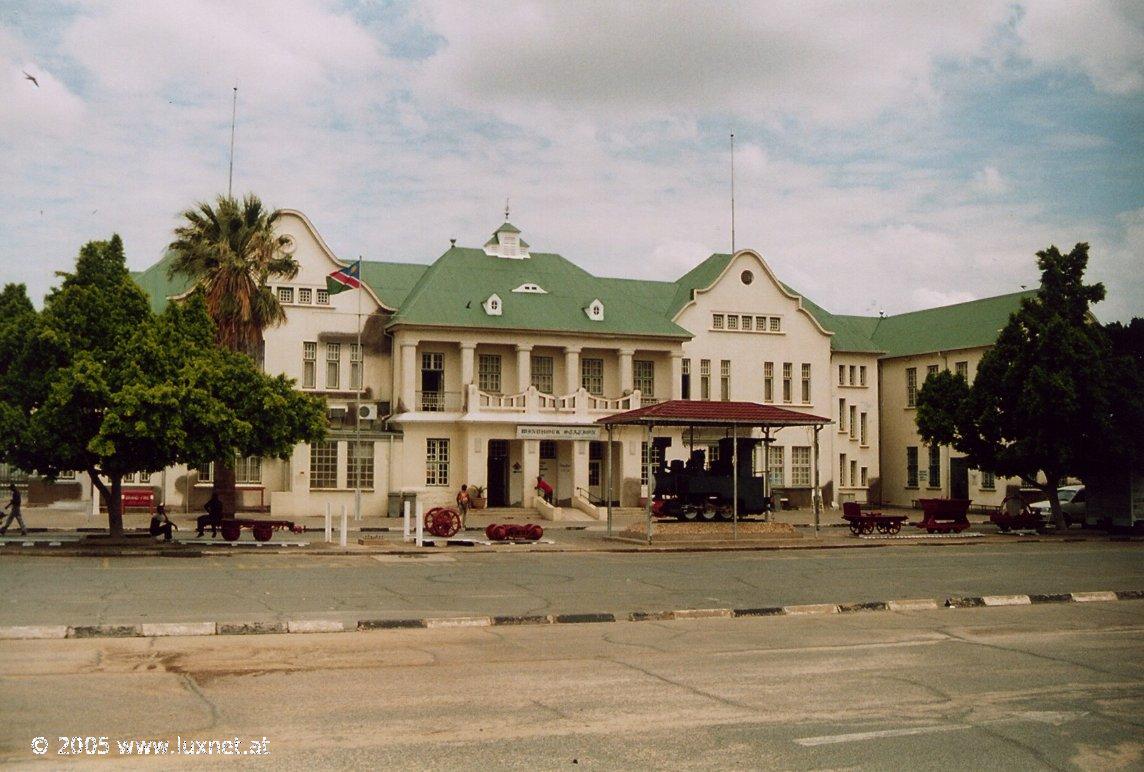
(557, 433)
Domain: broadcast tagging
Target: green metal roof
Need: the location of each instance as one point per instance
(963, 325)
(507, 228)
(158, 287)
(451, 291)
(391, 282)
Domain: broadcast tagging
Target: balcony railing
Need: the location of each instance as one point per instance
(439, 401)
(532, 401)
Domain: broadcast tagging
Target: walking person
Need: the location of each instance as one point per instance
(14, 505)
(464, 501)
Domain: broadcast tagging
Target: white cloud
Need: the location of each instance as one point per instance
(990, 182)
(1105, 40)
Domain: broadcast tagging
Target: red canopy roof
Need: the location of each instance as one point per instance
(688, 412)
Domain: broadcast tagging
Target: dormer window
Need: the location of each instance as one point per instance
(595, 310)
(534, 289)
(493, 306)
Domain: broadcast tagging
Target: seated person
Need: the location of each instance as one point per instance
(161, 524)
(213, 517)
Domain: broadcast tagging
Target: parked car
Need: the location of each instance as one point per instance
(1072, 505)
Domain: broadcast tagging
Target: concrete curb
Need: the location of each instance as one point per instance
(304, 626)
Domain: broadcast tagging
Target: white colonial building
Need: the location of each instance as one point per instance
(490, 366)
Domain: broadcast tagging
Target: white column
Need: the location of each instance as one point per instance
(626, 381)
(676, 376)
(467, 359)
(523, 367)
(571, 369)
(409, 375)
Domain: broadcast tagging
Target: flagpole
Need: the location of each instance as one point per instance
(361, 381)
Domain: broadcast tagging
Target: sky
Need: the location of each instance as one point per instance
(888, 156)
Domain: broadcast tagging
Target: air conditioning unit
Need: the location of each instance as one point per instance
(367, 412)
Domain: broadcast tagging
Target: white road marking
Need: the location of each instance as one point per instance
(809, 742)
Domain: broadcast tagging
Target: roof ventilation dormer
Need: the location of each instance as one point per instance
(493, 306)
(506, 242)
(530, 287)
(595, 311)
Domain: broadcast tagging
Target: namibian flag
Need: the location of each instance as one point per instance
(347, 278)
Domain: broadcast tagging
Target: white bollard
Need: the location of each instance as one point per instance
(420, 527)
(329, 524)
(405, 523)
(342, 539)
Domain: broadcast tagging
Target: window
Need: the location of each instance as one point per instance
(863, 479)
(911, 466)
(760, 323)
(800, 465)
(433, 362)
(962, 369)
(541, 368)
(841, 470)
(853, 371)
(437, 462)
(322, 297)
(934, 466)
(911, 387)
(732, 322)
(355, 366)
(685, 378)
(725, 380)
(776, 465)
(853, 422)
(768, 381)
(333, 364)
(861, 375)
(309, 363)
(248, 470)
(548, 449)
(360, 456)
(747, 323)
(988, 481)
(324, 465)
(746, 277)
(305, 295)
(285, 294)
(775, 324)
(655, 455)
(643, 376)
(717, 321)
(805, 383)
(841, 375)
(854, 473)
(931, 370)
(712, 455)
(206, 473)
(592, 376)
(704, 379)
(788, 373)
(489, 373)
(862, 429)
(841, 415)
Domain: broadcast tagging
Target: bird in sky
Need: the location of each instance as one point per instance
(32, 78)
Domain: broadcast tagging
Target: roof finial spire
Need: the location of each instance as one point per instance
(506, 208)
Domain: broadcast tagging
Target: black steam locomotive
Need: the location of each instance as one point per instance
(691, 490)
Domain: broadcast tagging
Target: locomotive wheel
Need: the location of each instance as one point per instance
(708, 513)
(882, 527)
(854, 529)
(263, 532)
(688, 514)
(867, 528)
(895, 527)
(453, 522)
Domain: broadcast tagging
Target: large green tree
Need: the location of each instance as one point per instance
(1040, 400)
(230, 251)
(100, 384)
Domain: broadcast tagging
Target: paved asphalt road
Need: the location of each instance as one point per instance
(277, 587)
(1034, 687)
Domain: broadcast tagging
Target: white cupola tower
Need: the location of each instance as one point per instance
(506, 242)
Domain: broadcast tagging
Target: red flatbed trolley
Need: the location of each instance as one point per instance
(263, 529)
(867, 522)
(944, 515)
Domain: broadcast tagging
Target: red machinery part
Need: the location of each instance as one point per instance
(442, 522)
(514, 531)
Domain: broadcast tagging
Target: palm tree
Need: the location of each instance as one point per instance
(229, 251)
